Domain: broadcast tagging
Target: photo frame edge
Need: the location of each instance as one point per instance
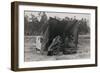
(14, 36)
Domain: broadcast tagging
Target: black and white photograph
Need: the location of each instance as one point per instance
(56, 36)
(53, 36)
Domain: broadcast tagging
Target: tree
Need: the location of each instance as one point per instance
(83, 27)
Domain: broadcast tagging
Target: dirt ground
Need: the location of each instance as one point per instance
(82, 52)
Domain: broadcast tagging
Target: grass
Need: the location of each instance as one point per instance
(82, 52)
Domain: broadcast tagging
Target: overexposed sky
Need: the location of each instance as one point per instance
(60, 14)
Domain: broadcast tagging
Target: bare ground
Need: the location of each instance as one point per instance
(83, 51)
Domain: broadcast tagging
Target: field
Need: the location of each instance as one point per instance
(30, 53)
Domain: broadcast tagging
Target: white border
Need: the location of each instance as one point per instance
(23, 64)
